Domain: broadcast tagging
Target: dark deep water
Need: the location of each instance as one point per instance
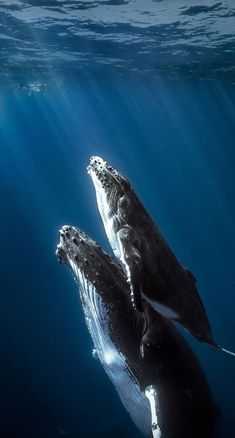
(172, 134)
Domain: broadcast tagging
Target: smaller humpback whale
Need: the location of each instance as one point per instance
(165, 392)
(153, 271)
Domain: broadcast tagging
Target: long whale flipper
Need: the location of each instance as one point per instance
(151, 394)
(165, 391)
(133, 264)
(152, 268)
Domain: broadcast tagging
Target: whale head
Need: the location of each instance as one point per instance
(122, 213)
(87, 261)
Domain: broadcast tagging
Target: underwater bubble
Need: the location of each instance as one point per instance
(95, 353)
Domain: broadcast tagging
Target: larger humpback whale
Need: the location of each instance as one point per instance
(165, 392)
(153, 271)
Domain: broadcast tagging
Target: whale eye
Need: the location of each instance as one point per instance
(123, 203)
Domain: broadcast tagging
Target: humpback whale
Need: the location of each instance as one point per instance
(152, 269)
(165, 392)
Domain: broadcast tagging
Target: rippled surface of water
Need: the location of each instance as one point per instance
(133, 35)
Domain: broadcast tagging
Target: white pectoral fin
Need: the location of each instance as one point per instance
(151, 394)
(132, 260)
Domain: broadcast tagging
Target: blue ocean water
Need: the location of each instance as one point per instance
(151, 89)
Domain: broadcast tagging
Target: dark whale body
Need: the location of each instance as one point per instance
(153, 271)
(165, 391)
